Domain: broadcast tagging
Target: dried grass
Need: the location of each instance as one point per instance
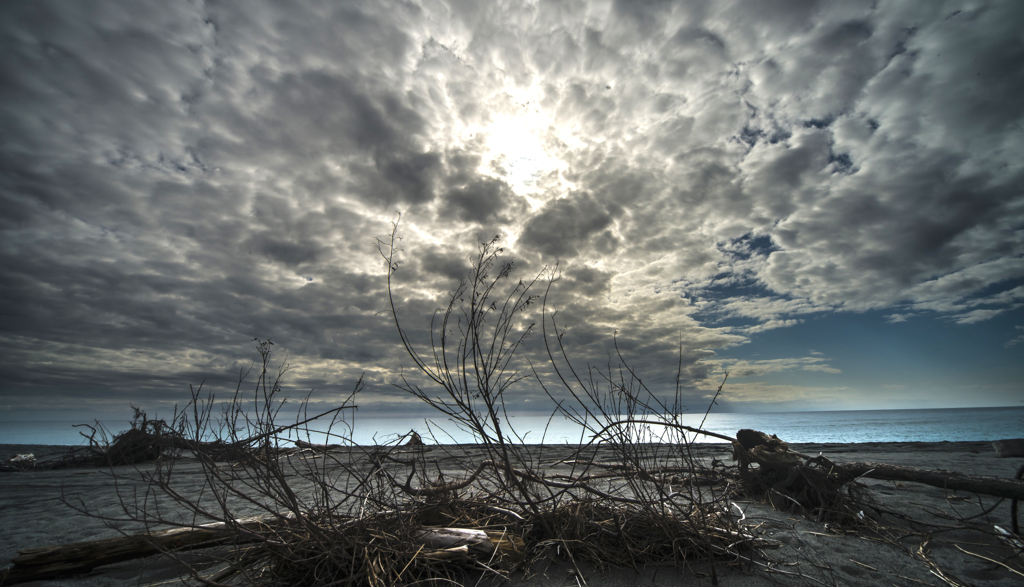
(342, 514)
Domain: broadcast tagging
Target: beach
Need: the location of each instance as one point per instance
(886, 550)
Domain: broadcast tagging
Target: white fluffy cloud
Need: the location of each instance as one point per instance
(178, 179)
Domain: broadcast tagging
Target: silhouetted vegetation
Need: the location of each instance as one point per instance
(282, 509)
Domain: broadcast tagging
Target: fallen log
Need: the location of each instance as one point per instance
(414, 439)
(952, 480)
(67, 560)
(751, 446)
(479, 542)
(1010, 447)
(53, 562)
(314, 446)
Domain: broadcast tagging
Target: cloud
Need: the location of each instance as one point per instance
(960, 310)
(763, 367)
(786, 397)
(762, 308)
(770, 325)
(980, 315)
(566, 225)
(1016, 340)
(179, 179)
(482, 200)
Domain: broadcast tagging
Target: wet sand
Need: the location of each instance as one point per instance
(34, 515)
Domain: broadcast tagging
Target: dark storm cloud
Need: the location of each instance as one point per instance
(178, 179)
(156, 190)
(450, 266)
(482, 200)
(589, 281)
(562, 227)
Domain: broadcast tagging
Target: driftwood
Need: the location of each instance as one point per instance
(414, 440)
(51, 562)
(314, 446)
(768, 451)
(480, 543)
(67, 560)
(780, 467)
(983, 484)
(1010, 447)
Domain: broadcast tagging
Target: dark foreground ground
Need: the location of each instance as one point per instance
(33, 514)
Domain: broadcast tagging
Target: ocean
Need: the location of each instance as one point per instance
(934, 425)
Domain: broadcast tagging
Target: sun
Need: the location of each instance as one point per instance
(517, 150)
(514, 145)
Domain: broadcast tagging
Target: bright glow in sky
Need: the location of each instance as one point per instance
(823, 198)
(515, 146)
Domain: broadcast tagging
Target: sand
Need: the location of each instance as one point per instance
(33, 515)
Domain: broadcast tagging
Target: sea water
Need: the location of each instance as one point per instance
(934, 425)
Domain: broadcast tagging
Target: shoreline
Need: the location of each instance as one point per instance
(882, 444)
(34, 516)
(919, 424)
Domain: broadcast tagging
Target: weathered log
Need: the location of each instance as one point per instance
(1010, 447)
(749, 439)
(414, 439)
(51, 562)
(751, 446)
(479, 542)
(314, 446)
(54, 562)
(952, 480)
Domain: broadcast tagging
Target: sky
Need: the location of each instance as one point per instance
(825, 199)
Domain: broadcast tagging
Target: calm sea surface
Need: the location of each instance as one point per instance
(846, 426)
